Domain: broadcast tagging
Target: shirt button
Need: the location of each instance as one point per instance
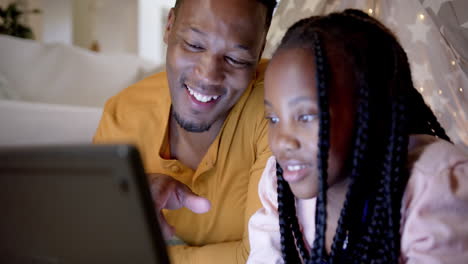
(175, 169)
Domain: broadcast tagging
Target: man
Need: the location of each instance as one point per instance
(200, 126)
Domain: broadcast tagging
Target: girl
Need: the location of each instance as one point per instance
(362, 171)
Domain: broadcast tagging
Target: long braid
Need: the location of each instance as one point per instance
(318, 250)
(285, 196)
(379, 243)
(360, 147)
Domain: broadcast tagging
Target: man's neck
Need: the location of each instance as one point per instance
(189, 147)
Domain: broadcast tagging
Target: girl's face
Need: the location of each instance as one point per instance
(291, 105)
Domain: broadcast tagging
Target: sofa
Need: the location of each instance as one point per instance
(54, 93)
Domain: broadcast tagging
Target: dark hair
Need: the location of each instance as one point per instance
(269, 4)
(389, 109)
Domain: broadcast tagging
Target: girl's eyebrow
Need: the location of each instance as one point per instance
(293, 101)
(299, 99)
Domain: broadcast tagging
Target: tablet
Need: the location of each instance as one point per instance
(77, 204)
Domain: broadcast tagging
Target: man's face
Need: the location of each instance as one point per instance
(213, 50)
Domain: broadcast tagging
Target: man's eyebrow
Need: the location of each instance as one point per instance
(237, 46)
(196, 30)
(267, 103)
(242, 47)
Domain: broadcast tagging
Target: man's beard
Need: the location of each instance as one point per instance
(189, 126)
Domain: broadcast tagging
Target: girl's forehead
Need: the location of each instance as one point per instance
(294, 70)
(291, 69)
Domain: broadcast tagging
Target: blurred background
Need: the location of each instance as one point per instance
(108, 26)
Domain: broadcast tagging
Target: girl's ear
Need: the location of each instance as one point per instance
(169, 24)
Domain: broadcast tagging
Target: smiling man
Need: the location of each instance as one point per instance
(200, 126)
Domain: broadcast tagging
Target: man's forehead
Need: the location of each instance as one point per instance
(238, 18)
(242, 9)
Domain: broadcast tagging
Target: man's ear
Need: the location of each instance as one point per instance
(169, 24)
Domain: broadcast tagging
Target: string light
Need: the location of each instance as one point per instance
(370, 11)
(455, 114)
(421, 16)
(453, 62)
(440, 91)
(421, 89)
(461, 90)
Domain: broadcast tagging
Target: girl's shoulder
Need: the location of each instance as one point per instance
(267, 187)
(435, 203)
(428, 155)
(436, 167)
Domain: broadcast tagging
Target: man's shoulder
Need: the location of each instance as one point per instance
(255, 99)
(150, 91)
(261, 68)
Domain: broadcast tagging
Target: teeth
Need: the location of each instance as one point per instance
(200, 97)
(295, 167)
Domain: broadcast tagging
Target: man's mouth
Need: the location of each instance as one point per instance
(201, 97)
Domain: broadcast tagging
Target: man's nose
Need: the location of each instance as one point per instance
(210, 70)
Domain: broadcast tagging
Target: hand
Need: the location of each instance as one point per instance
(169, 193)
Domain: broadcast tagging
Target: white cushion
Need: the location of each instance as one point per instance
(25, 123)
(61, 74)
(5, 91)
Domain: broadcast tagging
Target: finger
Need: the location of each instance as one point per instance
(167, 230)
(193, 202)
(197, 204)
(160, 195)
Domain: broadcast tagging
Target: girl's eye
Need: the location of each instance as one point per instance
(272, 120)
(306, 118)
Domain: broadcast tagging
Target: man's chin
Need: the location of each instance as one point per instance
(190, 126)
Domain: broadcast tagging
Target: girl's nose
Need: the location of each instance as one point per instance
(288, 142)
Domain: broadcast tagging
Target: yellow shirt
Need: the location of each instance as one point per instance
(228, 174)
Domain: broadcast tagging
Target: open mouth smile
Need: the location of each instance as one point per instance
(294, 172)
(202, 98)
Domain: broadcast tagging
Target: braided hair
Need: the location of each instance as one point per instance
(388, 110)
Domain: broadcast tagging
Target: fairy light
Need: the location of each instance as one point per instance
(370, 11)
(453, 63)
(421, 16)
(440, 91)
(421, 89)
(461, 90)
(455, 114)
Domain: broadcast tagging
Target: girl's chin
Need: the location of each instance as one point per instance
(303, 191)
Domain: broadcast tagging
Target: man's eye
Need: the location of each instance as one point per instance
(307, 118)
(193, 46)
(237, 62)
(272, 120)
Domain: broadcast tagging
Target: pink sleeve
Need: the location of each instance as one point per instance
(264, 233)
(435, 214)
